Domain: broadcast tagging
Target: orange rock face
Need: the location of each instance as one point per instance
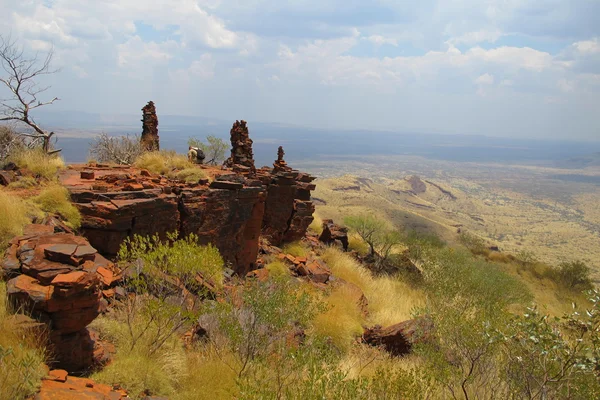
(59, 386)
(54, 276)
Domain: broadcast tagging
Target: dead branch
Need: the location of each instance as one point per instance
(20, 75)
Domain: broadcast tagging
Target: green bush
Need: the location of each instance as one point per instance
(183, 258)
(574, 275)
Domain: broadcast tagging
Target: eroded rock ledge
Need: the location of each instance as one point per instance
(231, 212)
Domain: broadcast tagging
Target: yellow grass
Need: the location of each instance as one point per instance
(390, 300)
(137, 370)
(163, 162)
(55, 199)
(38, 163)
(357, 244)
(13, 217)
(21, 357)
(190, 175)
(342, 322)
(296, 249)
(209, 377)
(317, 225)
(277, 269)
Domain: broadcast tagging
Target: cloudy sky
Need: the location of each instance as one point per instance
(515, 68)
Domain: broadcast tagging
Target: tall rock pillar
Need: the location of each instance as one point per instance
(242, 158)
(150, 139)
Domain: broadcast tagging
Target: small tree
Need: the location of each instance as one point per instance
(20, 78)
(366, 226)
(214, 149)
(118, 150)
(374, 232)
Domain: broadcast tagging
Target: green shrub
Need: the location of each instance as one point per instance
(55, 199)
(474, 243)
(183, 258)
(574, 275)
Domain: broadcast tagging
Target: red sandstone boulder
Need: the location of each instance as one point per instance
(399, 339)
(332, 233)
(54, 277)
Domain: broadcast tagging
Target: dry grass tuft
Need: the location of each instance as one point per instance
(296, 249)
(190, 175)
(13, 217)
(317, 225)
(21, 357)
(139, 370)
(343, 321)
(55, 199)
(163, 162)
(278, 269)
(209, 377)
(38, 162)
(390, 300)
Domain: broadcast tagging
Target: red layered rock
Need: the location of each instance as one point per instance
(334, 233)
(150, 139)
(54, 277)
(399, 339)
(231, 212)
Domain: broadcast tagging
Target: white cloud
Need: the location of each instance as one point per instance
(471, 38)
(485, 79)
(565, 85)
(379, 40)
(588, 46)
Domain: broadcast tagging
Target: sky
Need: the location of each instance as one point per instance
(509, 68)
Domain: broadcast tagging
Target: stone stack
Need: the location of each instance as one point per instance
(242, 157)
(150, 139)
(280, 165)
(57, 279)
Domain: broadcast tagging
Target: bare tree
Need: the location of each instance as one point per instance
(20, 78)
(118, 150)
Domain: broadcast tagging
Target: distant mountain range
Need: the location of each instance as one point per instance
(75, 130)
(590, 160)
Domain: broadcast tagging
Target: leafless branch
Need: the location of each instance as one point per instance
(20, 75)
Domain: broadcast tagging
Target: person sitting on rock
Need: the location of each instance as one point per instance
(196, 155)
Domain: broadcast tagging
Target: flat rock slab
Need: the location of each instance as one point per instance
(226, 185)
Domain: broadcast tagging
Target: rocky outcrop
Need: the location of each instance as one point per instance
(334, 233)
(57, 278)
(230, 212)
(399, 339)
(150, 139)
(417, 186)
(242, 157)
(288, 208)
